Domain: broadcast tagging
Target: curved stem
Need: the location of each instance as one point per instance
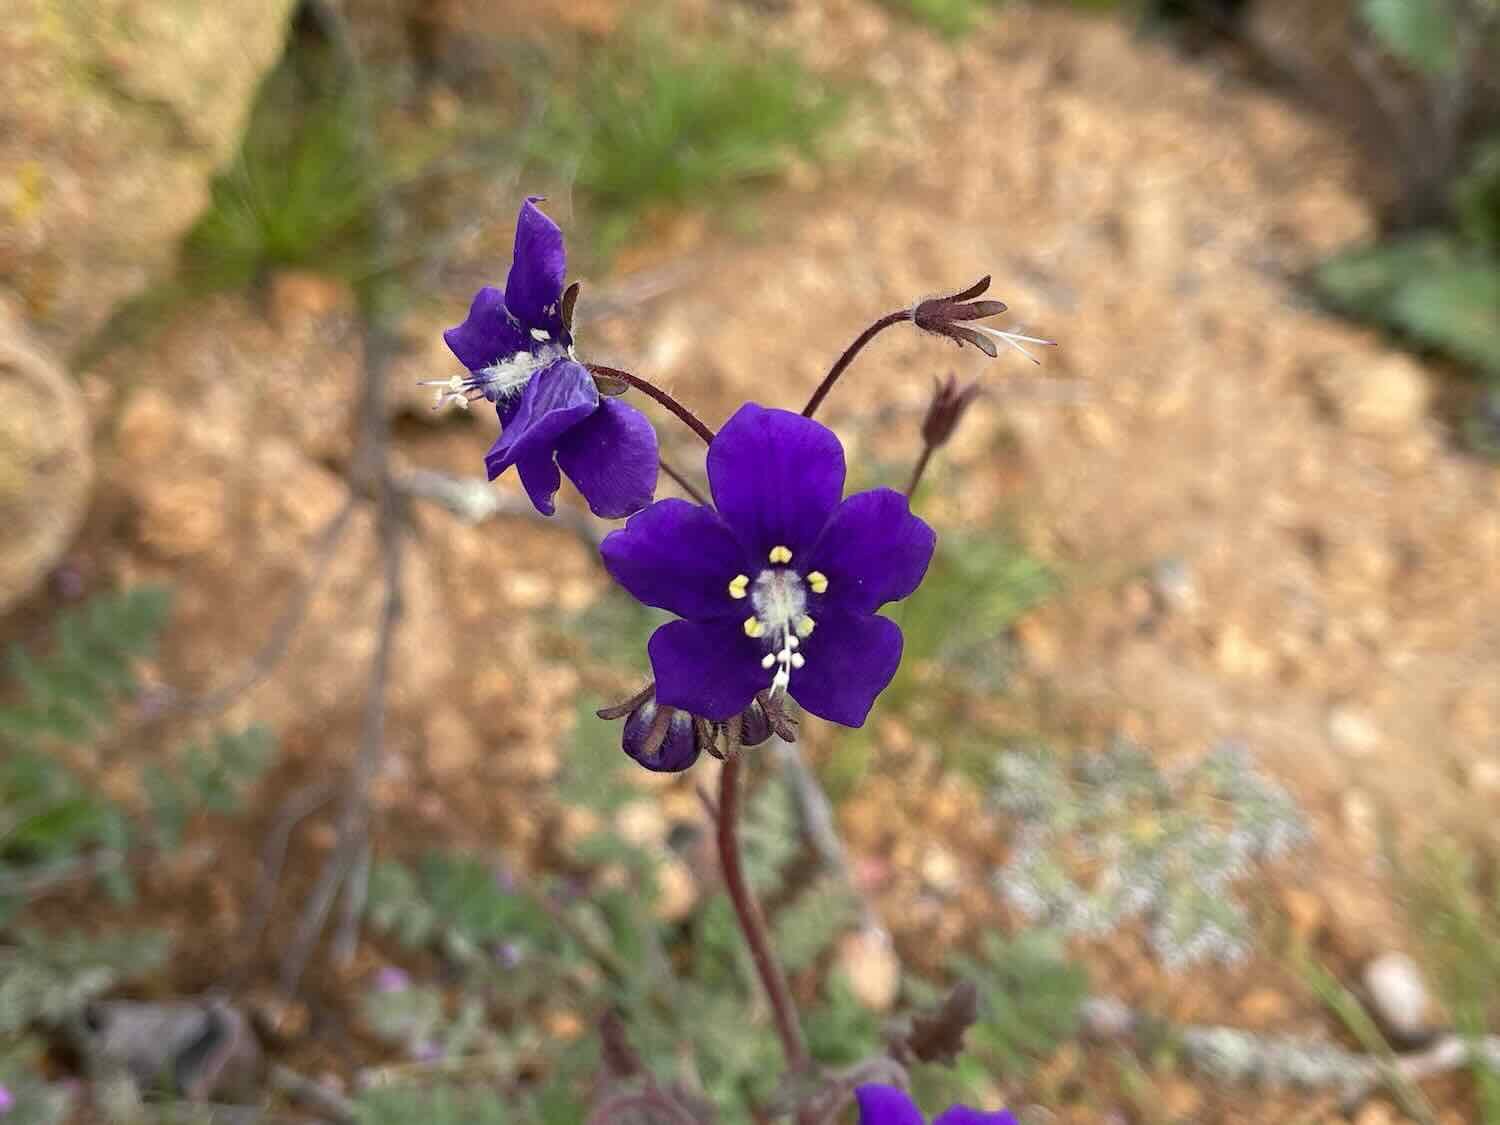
(918, 469)
(752, 923)
(651, 390)
(847, 358)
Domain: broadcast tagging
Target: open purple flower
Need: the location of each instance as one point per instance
(518, 347)
(889, 1105)
(779, 586)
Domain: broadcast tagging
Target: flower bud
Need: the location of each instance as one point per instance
(662, 739)
(949, 404)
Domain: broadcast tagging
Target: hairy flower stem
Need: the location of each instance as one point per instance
(847, 358)
(918, 469)
(753, 923)
(651, 390)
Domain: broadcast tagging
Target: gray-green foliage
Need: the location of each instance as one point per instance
(653, 121)
(685, 989)
(45, 978)
(67, 694)
(1167, 846)
(1437, 289)
(1422, 33)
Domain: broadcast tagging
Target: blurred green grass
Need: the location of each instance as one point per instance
(653, 121)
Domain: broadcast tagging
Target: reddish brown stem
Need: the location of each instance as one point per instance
(753, 923)
(847, 358)
(651, 390)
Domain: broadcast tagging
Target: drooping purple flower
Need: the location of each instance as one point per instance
(778, 583)
(890, 1105)
(518, 347)
(662, 739)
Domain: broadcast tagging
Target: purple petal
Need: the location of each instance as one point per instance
(872, 551)
(488, 335)
(963, 1115)
(611, 456)
(886, 1105)
(555, 400)
(533, 291)
(776, 477)
(541, 480)
(679, 557)
(707, 668)
(849, 660)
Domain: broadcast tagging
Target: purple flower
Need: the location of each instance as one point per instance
(779, 586)
(391, 979)
(888, 1105)
(518, 347)
(7, 1100)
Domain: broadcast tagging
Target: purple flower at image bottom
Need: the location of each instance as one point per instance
(7, 1100)
(890, 1105)
(518, 349)
(779, 582)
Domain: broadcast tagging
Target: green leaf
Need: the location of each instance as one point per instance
(1428, 287)
(1423, 33)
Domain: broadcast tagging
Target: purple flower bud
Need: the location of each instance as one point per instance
(662, 739)
(7, 1100)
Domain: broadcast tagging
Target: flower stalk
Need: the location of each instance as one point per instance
(752, 921)
(651, 390)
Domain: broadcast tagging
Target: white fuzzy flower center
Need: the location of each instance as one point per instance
(778, 597)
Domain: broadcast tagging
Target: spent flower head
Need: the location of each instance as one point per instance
(779, 582)
(890, 1105)
(517, 345)
(951, 315)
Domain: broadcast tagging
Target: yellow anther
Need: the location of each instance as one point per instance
(753, 627)
(738, 585)
(805, 625)
(781, 554)
(817, 581)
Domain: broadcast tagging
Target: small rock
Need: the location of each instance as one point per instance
(1398, 995)
(1352, 730)
(1484, 777)
(1361, 819)
(676, 890)
(869, 961)
(1240, 656)
(1304, 912)
(1264, 1007)
(1376, 1113)
(1381, 397)
(1173, 586)
(940, 869)
(642, 823)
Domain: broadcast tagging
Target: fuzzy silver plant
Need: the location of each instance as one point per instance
(1117, 837)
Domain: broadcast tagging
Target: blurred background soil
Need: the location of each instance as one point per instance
(1262, 519)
